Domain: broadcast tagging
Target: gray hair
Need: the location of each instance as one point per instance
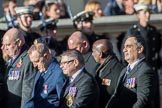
(74, 54)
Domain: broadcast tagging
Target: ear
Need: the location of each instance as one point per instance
(18, 42)
(45, 55)
(76, 62)
(85, 44)
(101, 55)
(140, 49)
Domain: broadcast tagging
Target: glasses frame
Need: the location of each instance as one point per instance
(66, 62)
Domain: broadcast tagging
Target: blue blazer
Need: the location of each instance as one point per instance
(47, 88)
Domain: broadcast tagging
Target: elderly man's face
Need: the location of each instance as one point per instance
(72, 44)
(38, 61)
(95, 54)
(10, 46)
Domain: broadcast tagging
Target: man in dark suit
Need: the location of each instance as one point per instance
(81, 90)
(137, 82)
(79, 41)
(20, 72)
(149, 33)
(152, 39)
(48, 81)
(108, 71)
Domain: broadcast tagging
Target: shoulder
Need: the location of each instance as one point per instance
(145, 68)
(86, 77)
(133, 30)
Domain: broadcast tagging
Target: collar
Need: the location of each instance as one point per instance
(136, 63)
(76, 74)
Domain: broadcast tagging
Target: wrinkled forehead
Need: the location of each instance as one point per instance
(130, 41)
(6, 39)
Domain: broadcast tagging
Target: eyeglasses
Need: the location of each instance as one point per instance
(66, 62)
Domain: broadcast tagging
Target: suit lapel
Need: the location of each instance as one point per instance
(36, 82)
(78, 77)
(134, 70)
(120, 81)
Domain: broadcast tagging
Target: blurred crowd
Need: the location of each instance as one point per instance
(82, 70)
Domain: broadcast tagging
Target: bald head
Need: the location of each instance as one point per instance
(78, 41)
(13, 40)
(104, 46)
(14, 34)
(77, 37)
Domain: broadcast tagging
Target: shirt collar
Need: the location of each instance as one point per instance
(135, 63)
(76, 74)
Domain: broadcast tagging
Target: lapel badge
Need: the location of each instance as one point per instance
(19, 64)
(45, 89)
(106, 82)
(69, 101)
(72, 91)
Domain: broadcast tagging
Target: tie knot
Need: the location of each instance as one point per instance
(128, 68)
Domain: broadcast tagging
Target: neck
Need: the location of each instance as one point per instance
(143, 24)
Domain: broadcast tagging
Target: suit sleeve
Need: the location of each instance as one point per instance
(29, 73)
(146, 86)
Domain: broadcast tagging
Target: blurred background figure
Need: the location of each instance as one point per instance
(83, 21)
(114, 7)
(37, 7)
(24, 19)
(9, 13)
(49, 36)
(63, 9)
(51, 9)
(94, 6)
(129, 6)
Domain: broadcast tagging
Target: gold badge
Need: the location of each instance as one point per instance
(69, 101)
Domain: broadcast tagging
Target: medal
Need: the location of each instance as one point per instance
(69, 101)
(72, 91)
(106, 82)
(45, 89)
